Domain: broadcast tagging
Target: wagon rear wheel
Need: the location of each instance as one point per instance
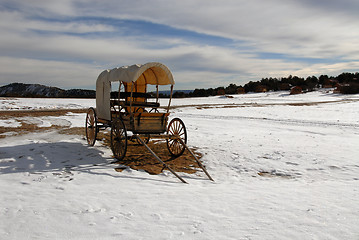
(118, 139)
(176, 130)
(91, 126)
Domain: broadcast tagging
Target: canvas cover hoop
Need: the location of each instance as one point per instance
(152, 73)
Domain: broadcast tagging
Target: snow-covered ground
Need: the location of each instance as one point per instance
(285, 167)
(44, 103)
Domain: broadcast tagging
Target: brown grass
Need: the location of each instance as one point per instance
(39, 113)
(138, 158)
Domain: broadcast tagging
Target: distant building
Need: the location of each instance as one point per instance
(261, 88)
(221, 91)
(329, 83)
(241, 90)
(296, 90)
(284, 86)
(338, 88)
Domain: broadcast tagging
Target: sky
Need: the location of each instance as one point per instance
(205, 43)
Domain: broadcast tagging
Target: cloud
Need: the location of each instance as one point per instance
(39, 8)
(205, 43)
(53, 73)
(289, 27)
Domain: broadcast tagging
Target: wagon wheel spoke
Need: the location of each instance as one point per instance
(176, 129)
(91, 126)
(179, 128)
(175, 147)
(172, 142)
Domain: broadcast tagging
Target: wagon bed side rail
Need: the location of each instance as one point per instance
(115, 102)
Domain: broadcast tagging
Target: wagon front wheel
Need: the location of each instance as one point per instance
(118, 139)
(176, 131)
(91, 126)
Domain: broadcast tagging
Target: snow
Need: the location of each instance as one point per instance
(281, 172)
(9, 123)
(68, 120)
(45, 103)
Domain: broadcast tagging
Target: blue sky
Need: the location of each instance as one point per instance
(205, 43)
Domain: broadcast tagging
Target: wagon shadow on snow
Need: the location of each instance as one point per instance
(66, 158)
(50, 157)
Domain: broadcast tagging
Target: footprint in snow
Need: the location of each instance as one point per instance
(126, 215)
(292, 163)
(156, 216)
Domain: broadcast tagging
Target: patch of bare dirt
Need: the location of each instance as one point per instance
(73, 131)
(24, 129)
(39, 113)
(139, 158)
(28, 127)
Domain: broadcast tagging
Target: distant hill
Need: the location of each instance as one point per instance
(345, 83)
(41, 91)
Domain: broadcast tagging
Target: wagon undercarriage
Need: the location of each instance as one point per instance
(176, 138)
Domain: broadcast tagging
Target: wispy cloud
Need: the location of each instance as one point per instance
(205, 43)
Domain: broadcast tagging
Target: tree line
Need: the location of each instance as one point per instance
(347, 83)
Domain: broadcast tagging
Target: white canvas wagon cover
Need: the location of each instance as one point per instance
(153, 73)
